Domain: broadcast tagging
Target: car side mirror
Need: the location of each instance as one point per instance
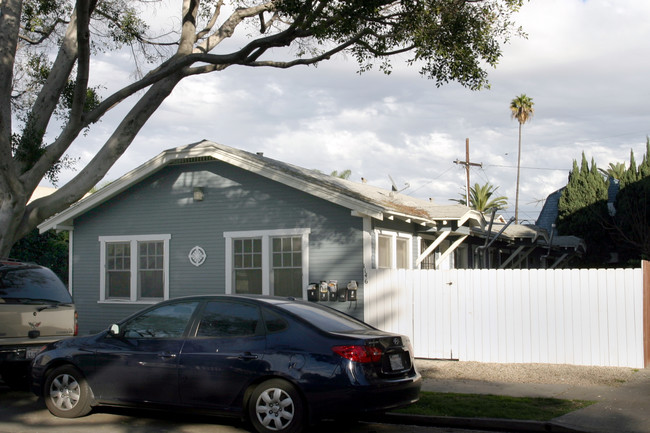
(114, 330)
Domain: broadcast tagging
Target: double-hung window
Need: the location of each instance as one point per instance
(287, 265)
(273, 262)
(247, 265)
(392, 249)
(134, 268)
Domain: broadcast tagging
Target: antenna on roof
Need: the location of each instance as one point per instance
(394, 188)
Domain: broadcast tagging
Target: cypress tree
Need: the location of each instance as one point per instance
(632, 220)
(582, 211)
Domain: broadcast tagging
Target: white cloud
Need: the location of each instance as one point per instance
(585, 65)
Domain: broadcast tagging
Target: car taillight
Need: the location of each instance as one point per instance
(76, 323)
(362, 354)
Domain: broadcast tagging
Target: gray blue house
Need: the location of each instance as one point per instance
(207, 218)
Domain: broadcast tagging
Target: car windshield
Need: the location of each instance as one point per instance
(326, 319)
(32, 286)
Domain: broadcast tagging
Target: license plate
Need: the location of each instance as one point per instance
(396, 362)
(31, 352)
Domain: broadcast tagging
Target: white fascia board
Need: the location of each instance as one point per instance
(355, 213)
(300, 184)
(471, 214)
(412, 218)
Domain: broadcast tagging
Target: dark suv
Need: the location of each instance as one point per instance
(35, 309)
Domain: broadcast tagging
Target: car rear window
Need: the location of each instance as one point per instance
(32, 285)
(326, 319)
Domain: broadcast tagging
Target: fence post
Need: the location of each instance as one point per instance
(645, 266)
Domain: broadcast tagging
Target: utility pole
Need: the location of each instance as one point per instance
(467, 164)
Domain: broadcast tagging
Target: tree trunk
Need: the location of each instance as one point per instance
(518, 170)
(10, 218)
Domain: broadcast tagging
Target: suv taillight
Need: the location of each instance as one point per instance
(362, 354)
(76, 323)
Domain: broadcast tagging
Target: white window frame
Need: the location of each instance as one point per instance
(393, 245)
(133, 241)
(267, 268)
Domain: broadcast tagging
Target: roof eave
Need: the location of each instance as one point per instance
(207, 148)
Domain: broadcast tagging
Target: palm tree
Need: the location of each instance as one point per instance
(616, 170)
(480, 198)
(521, 109)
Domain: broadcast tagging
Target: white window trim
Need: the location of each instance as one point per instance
(133, 240)
(266, 236)
(394, 236)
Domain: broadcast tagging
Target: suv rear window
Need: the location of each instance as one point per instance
(32, 285)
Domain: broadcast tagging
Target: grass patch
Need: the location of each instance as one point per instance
(492, 406)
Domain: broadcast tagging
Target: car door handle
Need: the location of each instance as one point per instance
(167, 355)
(247, 356)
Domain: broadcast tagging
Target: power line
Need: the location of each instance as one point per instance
(433, 179)
(528, 168)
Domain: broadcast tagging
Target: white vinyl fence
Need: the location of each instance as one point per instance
(582, 317)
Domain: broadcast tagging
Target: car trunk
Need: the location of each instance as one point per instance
(388, 356)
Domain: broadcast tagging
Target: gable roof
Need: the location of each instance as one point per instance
(360, 198)
(548, 217)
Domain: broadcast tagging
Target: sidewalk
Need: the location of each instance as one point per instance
(622, 408)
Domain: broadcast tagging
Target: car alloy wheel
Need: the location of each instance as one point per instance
(276, 406)
(67, 394)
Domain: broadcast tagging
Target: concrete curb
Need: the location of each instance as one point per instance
(497, 424)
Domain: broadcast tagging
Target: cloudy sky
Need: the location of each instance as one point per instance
(585, 63)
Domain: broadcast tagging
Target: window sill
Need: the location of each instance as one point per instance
(128, 301)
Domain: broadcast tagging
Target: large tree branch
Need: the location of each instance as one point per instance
(110, 152)
(227, 29)
(188, 26)
(84, 9)
(49, 96)
(213, 20)
(77, 48)
(9, 28)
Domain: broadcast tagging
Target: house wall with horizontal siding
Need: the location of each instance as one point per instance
(234, 200)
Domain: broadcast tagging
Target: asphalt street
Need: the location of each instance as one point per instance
(22, 412)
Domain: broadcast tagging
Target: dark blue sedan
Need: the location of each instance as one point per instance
(279, 363)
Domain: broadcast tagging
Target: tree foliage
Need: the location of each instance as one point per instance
(521, 108)
(582, 210)
(632, 217)
(616, 227)
(481, 198)
(48, 99)
(48, 249)
(344, 174)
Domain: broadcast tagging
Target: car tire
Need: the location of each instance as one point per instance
(276, 406)
(66, 392)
